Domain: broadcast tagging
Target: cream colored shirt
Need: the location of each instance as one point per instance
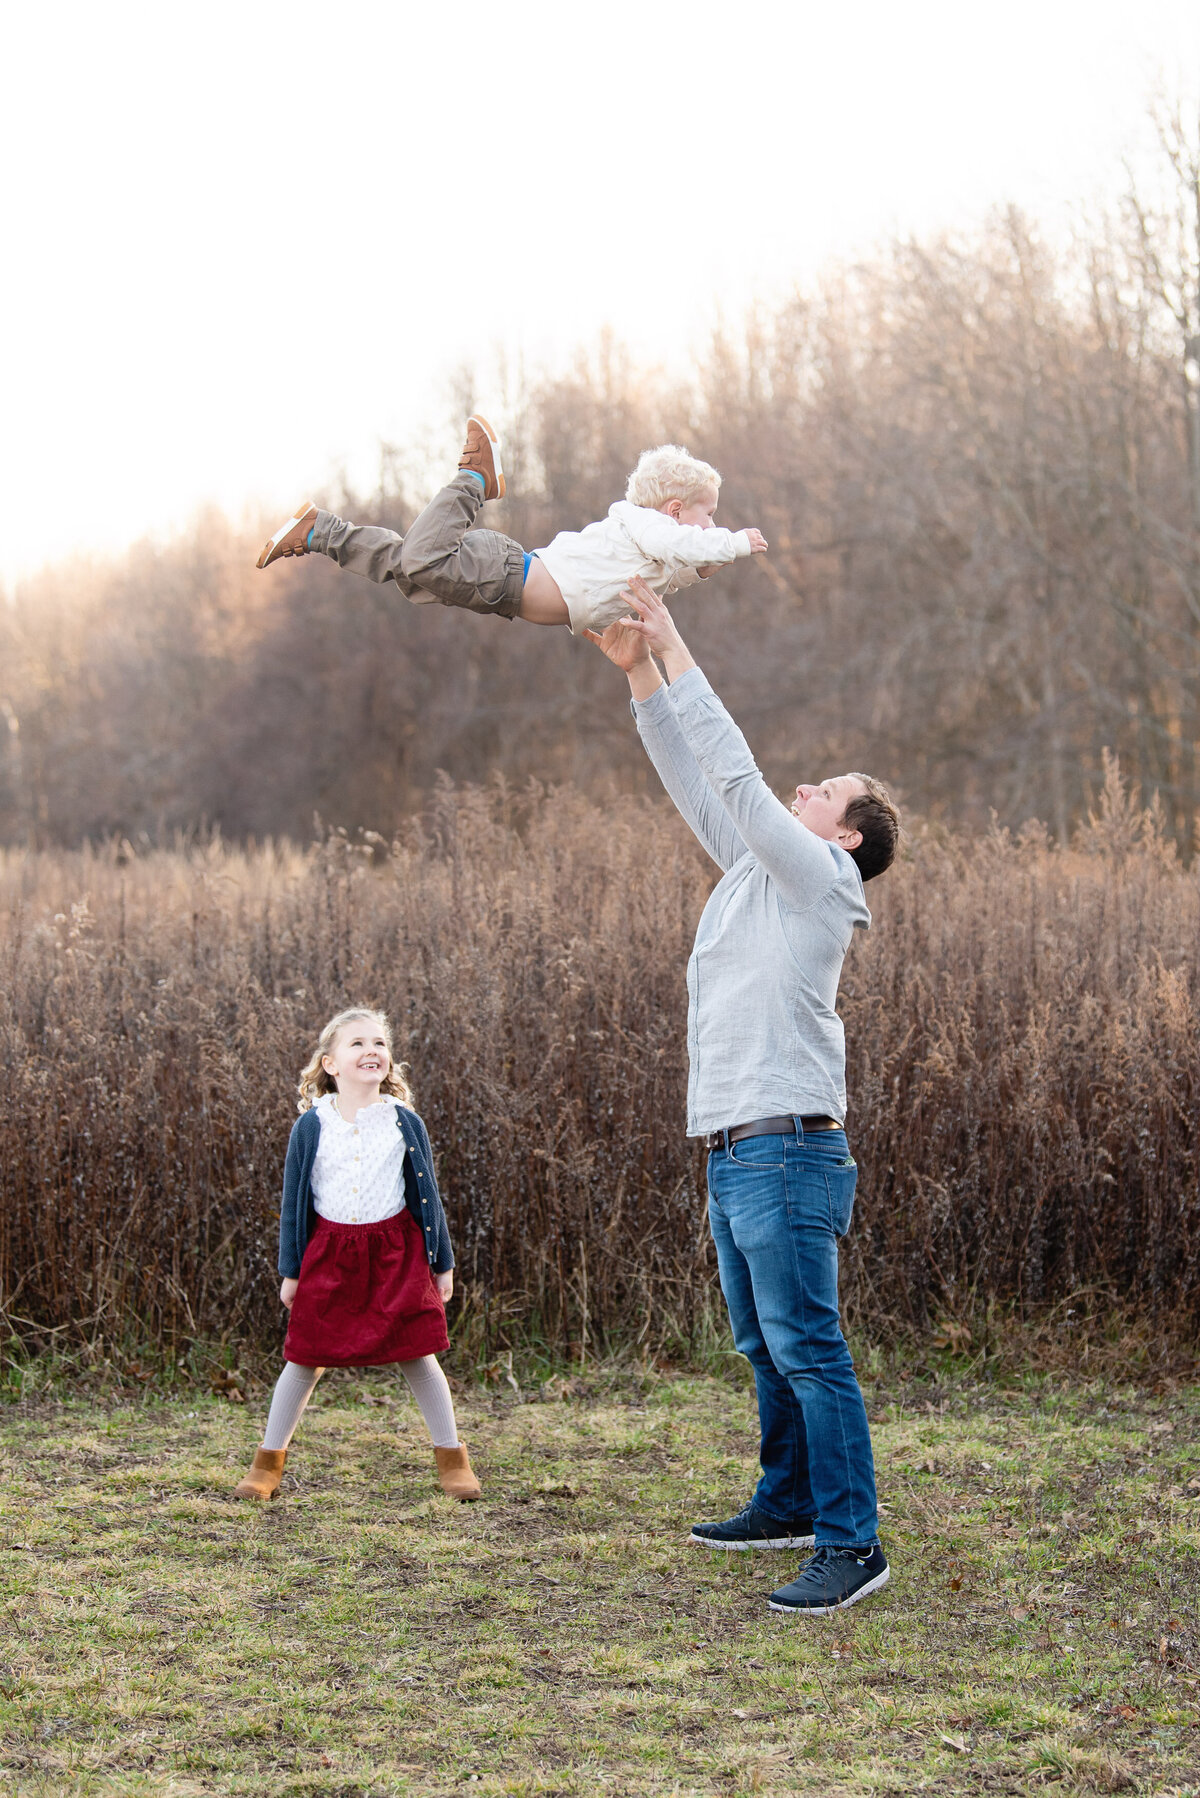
(593, 565)
(358, 1172)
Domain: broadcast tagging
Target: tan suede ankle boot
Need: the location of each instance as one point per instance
(266, 1475)
(454, 1471)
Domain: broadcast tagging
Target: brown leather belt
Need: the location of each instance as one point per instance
(785, 1126)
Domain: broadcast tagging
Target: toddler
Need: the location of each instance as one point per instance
(662, 531)
(363, 1246)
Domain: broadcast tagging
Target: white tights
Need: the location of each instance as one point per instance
(426, 1380)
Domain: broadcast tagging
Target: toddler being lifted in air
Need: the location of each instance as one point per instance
(662, 530)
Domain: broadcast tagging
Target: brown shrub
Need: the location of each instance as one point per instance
(1023, 1067)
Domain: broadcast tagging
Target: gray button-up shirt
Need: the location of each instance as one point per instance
(764, 1038)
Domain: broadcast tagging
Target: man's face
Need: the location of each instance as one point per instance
(822, 808)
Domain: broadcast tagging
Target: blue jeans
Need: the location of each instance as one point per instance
(777, 1207)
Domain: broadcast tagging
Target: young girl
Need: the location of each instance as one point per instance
(360, 1230)
(662, 531)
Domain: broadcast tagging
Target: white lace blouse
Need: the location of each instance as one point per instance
(358, 1173)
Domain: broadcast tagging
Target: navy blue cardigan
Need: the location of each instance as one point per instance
(298, 1217)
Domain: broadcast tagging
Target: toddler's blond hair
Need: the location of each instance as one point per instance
(667, 473)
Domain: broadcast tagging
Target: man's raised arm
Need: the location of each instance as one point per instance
(801, 863)
(667, 746)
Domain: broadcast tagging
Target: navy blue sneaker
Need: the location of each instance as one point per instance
(833, 1579)
(752, 1528)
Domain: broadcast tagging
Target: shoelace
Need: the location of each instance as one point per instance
(823, 1557)
(747, 1513)
(743, 1515)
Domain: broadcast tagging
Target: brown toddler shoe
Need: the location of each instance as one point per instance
(454, 1471)
(481, 454)
(291, 539)
(265, 1476)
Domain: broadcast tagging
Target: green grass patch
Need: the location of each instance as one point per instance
(362, 1637)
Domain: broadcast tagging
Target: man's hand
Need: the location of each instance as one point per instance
(621, 644)
(445, 1286)
(288, 1291)
(758, 543)
(656, 628)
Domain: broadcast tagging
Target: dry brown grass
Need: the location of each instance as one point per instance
(1023, 1070)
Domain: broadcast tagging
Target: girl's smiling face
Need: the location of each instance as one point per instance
(359, 1054)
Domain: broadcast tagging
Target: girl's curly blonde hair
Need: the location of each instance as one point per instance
(315, 1082)
(667, 473)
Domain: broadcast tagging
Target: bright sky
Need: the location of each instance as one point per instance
(245, 242)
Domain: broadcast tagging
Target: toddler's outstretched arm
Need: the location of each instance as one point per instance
(758, 547)
(661, 539)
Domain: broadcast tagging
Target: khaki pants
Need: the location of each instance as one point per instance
(441, 558)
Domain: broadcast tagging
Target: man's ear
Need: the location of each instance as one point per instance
(849, 840)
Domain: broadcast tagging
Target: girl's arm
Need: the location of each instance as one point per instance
(289, 1265)
(443, 1256)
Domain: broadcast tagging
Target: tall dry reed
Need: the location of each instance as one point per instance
(1022, 1025)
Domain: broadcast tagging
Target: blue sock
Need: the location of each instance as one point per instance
(308, 539)
(478, 476)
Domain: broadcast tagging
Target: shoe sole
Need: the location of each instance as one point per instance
(827, 1610)
(497, 465)
(272, 543)
(765, 1542)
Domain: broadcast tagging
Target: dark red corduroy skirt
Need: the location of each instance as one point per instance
(366, 1296)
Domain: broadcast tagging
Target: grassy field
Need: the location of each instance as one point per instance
(360, 1636)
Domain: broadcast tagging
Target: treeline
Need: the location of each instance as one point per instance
(1024, 1041)
(978, 465)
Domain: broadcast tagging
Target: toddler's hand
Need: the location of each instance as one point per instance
(287, 1292)
(758, 543)
(445, 1286)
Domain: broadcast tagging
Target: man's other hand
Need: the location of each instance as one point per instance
(621, 644)
(656, 627)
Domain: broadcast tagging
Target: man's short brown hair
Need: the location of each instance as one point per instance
(875, 815)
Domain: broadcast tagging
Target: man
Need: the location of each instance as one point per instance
(766, 1088)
